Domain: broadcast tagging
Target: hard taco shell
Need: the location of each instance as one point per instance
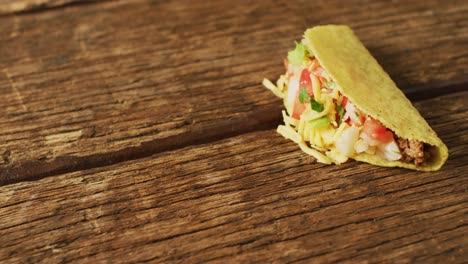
(360, 77)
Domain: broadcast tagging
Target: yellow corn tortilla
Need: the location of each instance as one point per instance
(360, 77)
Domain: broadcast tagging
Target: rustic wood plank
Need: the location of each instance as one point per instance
(84, 87)
(18, 6)
(251, 198)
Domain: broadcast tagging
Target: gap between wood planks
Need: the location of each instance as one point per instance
(262, 118)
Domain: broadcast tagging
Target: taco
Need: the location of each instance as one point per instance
(340, 105)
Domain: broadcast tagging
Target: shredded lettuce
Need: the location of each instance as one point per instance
(320, 122)
(298, 55)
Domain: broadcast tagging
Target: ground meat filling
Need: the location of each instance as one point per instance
(412, 151)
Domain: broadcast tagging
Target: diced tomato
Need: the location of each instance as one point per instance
(337, 116)
(385, 138)
(344, 101)
(373, 126)
(306, 82)
(348, 121)
(298, 108)
(375, 130)
(362, 116)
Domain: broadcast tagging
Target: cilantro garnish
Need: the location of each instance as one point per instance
(303, 96)
(316, 106)
(340, 110)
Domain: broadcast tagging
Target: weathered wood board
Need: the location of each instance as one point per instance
(250, 198)
(8, 7)
(138, 131)
(90, 85)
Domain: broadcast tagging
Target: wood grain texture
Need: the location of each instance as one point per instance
(90, 85)
(251, 198)
(19, 6)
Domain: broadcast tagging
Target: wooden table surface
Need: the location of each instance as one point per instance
(138, 131)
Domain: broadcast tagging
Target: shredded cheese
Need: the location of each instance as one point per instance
(314, 153)
(316, 87)
(289, 121)
(270, 86)
(301, 127)
(289, 133)
(280, 83)
(320, 139)
(336, 156)
(336, 95)
(340, 130)
(312, 65)
(317, 141)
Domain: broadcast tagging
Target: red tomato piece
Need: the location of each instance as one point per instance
(386, 137)
(348, 121)
(298, 108)
(306, 82)
(374, 129)
(372, 126)
(337, 116)
(344, 101)
(362, 116)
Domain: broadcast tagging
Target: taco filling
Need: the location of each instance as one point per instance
(329, 126)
